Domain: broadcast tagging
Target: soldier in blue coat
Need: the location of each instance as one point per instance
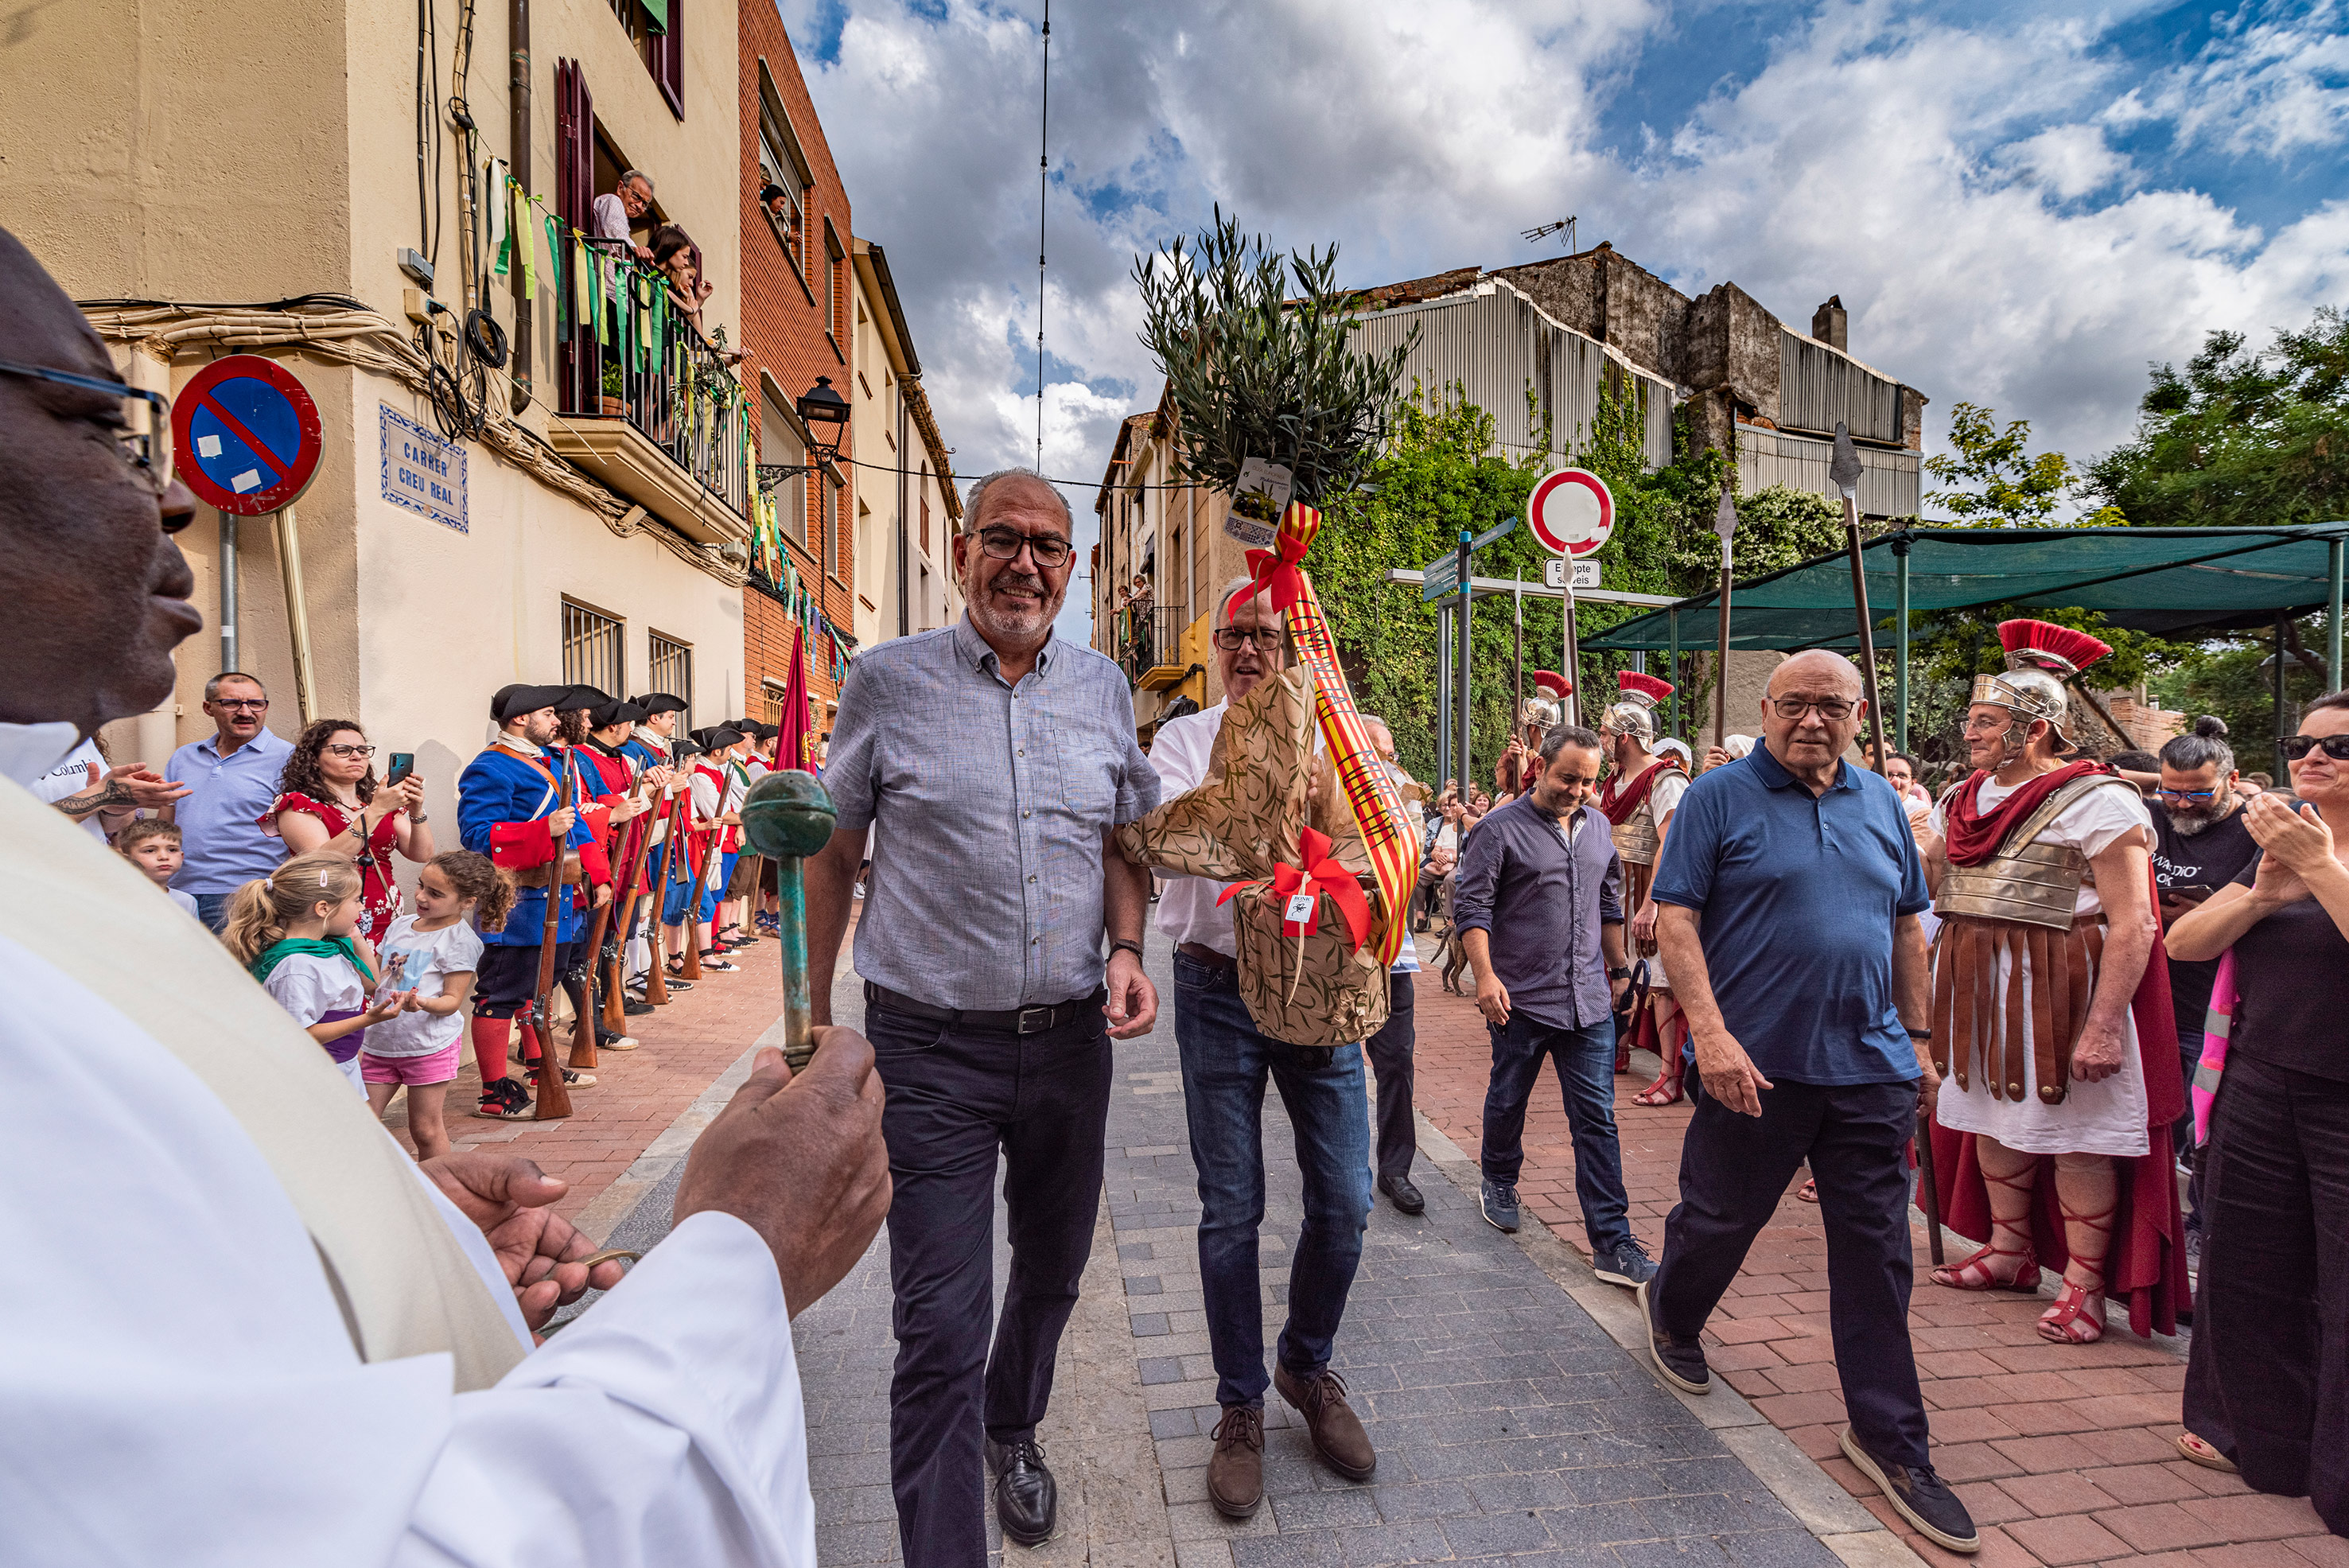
(509, 807)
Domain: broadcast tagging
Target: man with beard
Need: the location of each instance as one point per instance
(2200, 845)
(997, 761)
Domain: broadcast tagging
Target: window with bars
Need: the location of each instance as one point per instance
(595, 650)
(836, 298)
(672, 671)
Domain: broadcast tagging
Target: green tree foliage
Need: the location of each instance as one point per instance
(1256, 364)
(2000, 484)
(2238, 683)
(2240, 440)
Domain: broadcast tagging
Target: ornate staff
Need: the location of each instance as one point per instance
(787, 816)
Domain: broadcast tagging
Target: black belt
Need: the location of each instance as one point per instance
(1012, 1021)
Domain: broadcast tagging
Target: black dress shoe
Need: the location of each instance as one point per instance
(632, 1008)
(1402, 1194)
(1026, 1500)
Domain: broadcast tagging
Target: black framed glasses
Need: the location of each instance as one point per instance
(241, 704)
(142, 430)
(1268, 639)
(1830, 708)
(2295, 747)
(1050, 551)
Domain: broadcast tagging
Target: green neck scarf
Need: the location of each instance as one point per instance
(285, 947)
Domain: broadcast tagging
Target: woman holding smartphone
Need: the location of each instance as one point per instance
(328, 799)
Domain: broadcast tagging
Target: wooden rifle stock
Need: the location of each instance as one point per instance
(553, 1097)
(700, 866)
(655, 938)
(615, 911)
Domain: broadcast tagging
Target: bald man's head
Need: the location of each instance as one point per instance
(1808, 669)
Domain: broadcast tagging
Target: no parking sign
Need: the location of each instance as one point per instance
(247, 435)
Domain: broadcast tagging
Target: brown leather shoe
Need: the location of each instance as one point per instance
(1235, 1470)
(1338, 1435)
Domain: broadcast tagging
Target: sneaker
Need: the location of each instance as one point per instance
(1499, 1201)
(1628, 1265)
(1918, 1496)
(615, 1041)
(858, 892)
(1680, 1362)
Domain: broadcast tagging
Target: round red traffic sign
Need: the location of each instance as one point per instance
(246, 435)
(1571, 513)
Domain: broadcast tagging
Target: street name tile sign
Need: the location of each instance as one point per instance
(422, 470)
(246, 434)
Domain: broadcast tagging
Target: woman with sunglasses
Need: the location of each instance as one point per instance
(2267, 1387)
(328, 799)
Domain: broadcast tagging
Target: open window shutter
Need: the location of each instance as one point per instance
(668, 53)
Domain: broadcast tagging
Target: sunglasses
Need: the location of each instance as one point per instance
(141, 429)
(2295, 747)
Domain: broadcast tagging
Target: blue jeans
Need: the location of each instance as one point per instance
(1224, 1064)
(1585, 1058)
(212, 908)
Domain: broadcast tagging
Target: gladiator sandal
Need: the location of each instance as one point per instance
(1975, 1273)
(2078, 1315)
(1666, 1089)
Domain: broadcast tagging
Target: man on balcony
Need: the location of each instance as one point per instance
(617, 210)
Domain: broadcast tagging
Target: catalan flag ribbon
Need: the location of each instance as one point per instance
(1371, 793)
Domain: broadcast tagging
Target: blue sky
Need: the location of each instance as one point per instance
(2021, 204)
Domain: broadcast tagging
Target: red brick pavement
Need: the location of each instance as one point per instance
(2063, 1454)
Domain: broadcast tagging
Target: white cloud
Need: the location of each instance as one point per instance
(2270, 84)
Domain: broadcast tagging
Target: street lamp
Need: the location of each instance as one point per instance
(825, 414)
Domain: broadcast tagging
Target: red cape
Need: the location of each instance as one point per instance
(1620, 807)
(2146, 1261)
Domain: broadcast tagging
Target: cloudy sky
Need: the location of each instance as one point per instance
(2020, 201)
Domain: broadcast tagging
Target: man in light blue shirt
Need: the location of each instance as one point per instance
(232, 779)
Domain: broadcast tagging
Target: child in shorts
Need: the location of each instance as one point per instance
(439, 952)
(153, 845)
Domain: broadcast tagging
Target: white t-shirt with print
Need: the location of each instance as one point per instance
(429, 959)
(80, 769)
(310, 985)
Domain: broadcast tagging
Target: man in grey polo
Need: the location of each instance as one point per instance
(232, 779)
(994, 761)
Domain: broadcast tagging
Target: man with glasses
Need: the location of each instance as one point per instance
(995, 760)
(1788, 896)
(230, 777)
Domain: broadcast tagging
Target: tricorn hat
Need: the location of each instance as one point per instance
(660, 702)
(513, 702)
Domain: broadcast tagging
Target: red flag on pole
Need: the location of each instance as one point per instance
(795, 747)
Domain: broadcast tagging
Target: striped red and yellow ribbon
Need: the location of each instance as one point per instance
(1371, 793)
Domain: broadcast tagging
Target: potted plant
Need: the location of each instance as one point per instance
(613, 404)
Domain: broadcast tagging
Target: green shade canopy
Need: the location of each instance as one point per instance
(2172, 581)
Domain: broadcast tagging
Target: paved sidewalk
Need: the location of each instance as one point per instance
(2063, 1454)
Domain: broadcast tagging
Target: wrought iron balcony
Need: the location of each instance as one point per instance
(1148, 644)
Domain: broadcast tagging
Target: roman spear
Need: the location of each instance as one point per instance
(1724, 523)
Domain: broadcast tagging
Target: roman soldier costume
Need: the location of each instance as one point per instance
(2015, 966)
(1534, 716)
(1636, 804)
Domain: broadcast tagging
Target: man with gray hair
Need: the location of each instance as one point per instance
(232, 779)
(996, 760)
(617, 210)
(1227, 1064)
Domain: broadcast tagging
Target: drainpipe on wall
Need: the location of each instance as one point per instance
(518, 94)
(905, 526)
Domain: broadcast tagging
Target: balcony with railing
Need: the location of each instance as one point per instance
(650, 406)
(1147, 642)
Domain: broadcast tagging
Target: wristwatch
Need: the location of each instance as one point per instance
(1917, 1033)
(1621, 971)
(1133, 947)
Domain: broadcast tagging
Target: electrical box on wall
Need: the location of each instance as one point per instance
(413, 264)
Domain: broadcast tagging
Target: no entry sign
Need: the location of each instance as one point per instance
(246, 434)
(1571, 513)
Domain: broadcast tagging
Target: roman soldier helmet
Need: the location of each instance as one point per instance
(1633, 711)
(2040, 656)
(1549, 708)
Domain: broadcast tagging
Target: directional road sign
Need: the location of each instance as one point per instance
(247, 435)
(1440, 578)
(1586, 574)
(1571, 513)
(1500, 530)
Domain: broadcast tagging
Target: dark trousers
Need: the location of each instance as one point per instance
(955, 1097)
(2267, 1382)
(507, 976)
(1390, 1051)
(1585, 1059)
(1733, 1171)
(1226, 1062)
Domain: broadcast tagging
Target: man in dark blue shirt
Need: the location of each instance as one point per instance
(1788, 899)
(1540, 906)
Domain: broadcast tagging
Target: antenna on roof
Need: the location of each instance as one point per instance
(1547, 230)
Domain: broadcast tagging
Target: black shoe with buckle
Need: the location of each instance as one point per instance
(1918, 1496)
(1026, 1500)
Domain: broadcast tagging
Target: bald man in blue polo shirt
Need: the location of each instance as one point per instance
(1787, 904)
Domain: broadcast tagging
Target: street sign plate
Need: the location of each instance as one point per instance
(1501, 530)
(247, 435)
(1440, 578)
(1571, 513)
(1586, 574)
(422, 472)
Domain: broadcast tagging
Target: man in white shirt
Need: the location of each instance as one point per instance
(1225, 1064)
(223, 1274)
(617, 210)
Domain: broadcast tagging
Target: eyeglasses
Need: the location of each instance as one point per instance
(1830, 708)
(352, 750)
(2295, 747)
(141, 430)
(1049, 550)
(242, 704)
(1267, 639)
(2188, 794)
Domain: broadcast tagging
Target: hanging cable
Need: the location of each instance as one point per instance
(1043, 188)
(428, 132)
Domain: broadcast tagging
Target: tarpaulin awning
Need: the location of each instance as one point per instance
(2172, 581)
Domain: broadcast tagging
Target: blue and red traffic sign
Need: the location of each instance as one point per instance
(246, 434)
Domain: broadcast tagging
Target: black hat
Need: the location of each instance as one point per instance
(660, 702)
(723, 736)
(580, 697)
(513, 702)
(763, 731)
(683, 746)
(615, 713)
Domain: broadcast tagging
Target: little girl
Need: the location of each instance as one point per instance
(436, 952)
(293, 928)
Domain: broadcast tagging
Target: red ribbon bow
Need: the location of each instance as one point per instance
(1276, 569)
(1321, 874)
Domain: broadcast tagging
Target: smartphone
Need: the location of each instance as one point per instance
(402, 764)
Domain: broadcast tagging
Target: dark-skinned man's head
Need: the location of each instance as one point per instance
(97, 593)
